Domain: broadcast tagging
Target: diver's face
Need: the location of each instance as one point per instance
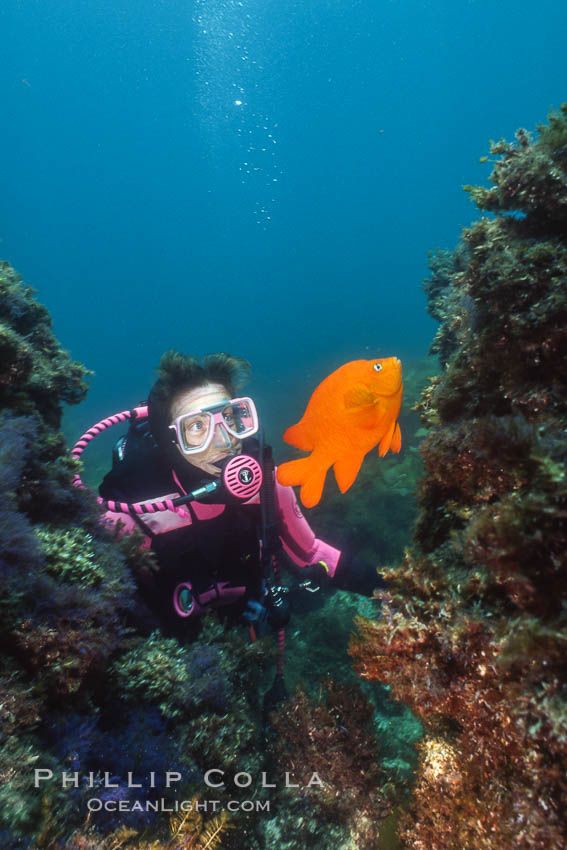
(222, 443)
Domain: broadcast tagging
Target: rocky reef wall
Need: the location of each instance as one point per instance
(86, 686)
(474, 625)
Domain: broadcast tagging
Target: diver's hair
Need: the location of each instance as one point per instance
(179, 373)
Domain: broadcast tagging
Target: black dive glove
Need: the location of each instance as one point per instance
(357, 576)
(351, 574)
(313, 576)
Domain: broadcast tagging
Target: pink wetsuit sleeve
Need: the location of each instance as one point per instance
(297, 536)
(128, 524)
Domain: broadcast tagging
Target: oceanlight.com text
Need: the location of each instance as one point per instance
(95, 804)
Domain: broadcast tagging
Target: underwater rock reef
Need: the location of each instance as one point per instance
(86, 685)
(64, 587)
(333, 735)
(473, 633)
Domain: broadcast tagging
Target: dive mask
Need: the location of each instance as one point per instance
(194, 431)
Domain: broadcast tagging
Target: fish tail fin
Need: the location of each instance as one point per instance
(311, 476)
(294, 472)
(346, 470)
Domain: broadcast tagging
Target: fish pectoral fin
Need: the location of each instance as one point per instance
(297, 436)
(358, 396)
(307, 472)
(346, 470)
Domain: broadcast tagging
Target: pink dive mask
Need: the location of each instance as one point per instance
(194, 431)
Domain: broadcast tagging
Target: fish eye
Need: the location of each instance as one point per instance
(377, 367)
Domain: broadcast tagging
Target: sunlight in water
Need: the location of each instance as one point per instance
(233, 91)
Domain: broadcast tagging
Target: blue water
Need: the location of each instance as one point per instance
(260, 177)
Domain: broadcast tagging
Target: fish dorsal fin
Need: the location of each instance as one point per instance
(358, 396)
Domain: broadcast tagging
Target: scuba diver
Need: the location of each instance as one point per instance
(193, 474)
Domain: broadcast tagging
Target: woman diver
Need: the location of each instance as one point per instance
(194, 475)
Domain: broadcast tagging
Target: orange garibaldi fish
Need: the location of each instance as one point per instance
(352, 410)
